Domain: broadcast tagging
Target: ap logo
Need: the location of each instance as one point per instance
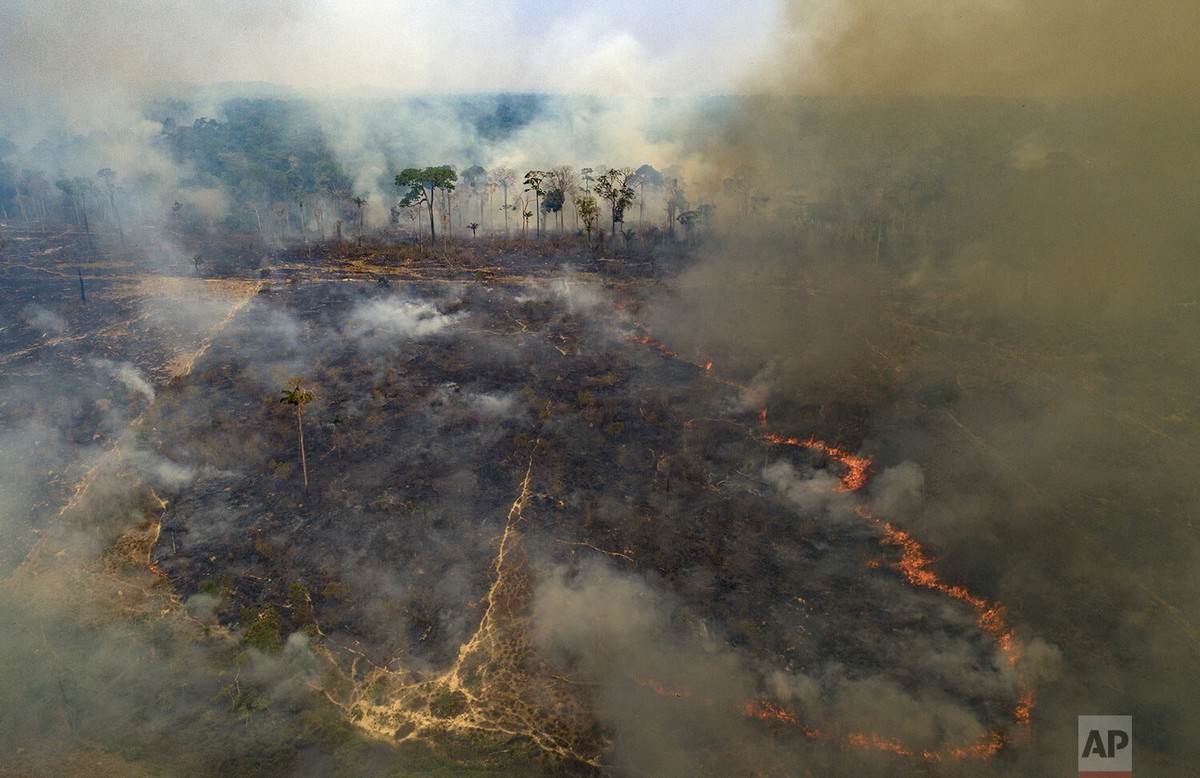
(1105, 746)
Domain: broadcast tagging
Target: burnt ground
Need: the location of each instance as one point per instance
(432, 397)
(438, 383)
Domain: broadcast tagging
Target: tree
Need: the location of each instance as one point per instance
(553, 202)
(588, 211)
(281, 214)
(32, 197)
(472, 227)
(741, 187)
(303, 234)
(299, 397)
(645, 177)
(504, 177)
(476, 179)
(533, 183)
(676, 202)
(109, 177)
(695, 218)
(318, 209)
(566, 180)
(359, 201)
(614, 186)
(74, 201)
(423, 185)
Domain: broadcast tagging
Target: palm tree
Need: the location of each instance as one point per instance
(299, 397)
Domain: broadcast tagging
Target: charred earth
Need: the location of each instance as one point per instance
(530, 529)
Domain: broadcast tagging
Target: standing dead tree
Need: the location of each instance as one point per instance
(299, 397)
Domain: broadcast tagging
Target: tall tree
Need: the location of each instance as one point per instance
(504, 177)
(298, 397)
(73, 207)
(109, 177)
(645, 178)
(423, 184)
(676, 202)
(533, 183)
(566, 180)
(476, 179)
(553, 202)
(588, 211)
(614, 185)
(741, 187)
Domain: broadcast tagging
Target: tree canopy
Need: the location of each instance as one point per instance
(422, 184)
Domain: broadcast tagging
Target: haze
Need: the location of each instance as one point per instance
(957, 239)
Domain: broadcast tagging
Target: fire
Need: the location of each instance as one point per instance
(858, 468)
(769, 711)
(646, 340)
(988, 746)
(915, 565)
(773, 713)
(877, 743)
(1024, 710)
(657, 687)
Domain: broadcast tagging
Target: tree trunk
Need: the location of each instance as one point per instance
(303, 461)
(117, 215)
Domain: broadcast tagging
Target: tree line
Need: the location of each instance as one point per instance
(492, 199)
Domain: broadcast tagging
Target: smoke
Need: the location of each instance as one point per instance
(45, 321)
(128, 375)
(817, 491)
(967, 247)
(670, 699)
(393, 318)
(1015, 48)
(896, 492)
(962, 240)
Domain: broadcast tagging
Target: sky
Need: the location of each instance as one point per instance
(421, 45)
(80, 59)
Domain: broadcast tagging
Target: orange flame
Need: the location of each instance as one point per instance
(769, 711)
(656, 686)
(914, 566)
(988, 746)
(858, 468)
(1023, 714)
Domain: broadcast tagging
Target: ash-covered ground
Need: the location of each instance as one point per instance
(533, 527)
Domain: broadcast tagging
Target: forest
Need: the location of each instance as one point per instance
(522, 434)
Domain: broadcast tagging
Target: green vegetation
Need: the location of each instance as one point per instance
(423, 186)
(263, 633)
(447, 704)
(268, 154)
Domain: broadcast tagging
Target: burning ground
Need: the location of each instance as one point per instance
(529, 525)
